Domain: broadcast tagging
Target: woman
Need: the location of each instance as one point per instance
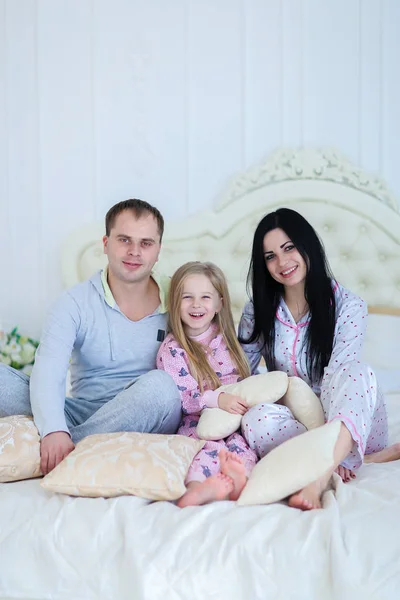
(305, 323)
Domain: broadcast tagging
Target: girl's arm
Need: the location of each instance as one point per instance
(246, 326)
(173, 360)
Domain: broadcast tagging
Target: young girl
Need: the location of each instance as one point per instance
(201, 353)
(303, 322)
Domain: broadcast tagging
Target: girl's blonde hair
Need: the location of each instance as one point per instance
(198, 363)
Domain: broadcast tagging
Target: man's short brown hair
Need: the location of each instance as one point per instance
(140, 208)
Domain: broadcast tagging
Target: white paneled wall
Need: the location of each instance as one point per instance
(101, 100)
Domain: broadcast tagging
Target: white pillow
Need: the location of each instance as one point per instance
(383, 332)
(291, 466)
(296, 394)
(305, 406)
(264, 388)
(217, 424)
(267, 388)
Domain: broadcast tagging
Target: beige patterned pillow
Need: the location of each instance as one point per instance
(148, 465)
(19, 449)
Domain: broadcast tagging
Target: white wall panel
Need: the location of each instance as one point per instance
(140, 122)
(24, 239)
(65, 105)
(390, 111)
(6, 262)
(331, 74)
(215, 112)
(101, 100)
(370, 85)
(292, 53)
(263, 108)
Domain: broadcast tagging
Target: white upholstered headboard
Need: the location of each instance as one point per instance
(355, 215)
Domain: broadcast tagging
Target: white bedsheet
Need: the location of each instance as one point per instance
(57, 547)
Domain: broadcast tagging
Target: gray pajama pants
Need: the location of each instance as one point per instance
(151, 404)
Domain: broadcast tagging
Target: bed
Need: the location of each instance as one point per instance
(58, 547)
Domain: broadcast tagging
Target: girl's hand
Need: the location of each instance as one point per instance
(232, 404)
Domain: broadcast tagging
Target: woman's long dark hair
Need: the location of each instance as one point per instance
(266, 292)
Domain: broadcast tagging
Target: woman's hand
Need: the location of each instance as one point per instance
(232, 404)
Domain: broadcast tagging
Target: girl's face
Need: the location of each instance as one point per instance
(284, 262)
(199, 303)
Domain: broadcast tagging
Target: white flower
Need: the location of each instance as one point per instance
(6, 360)
(17, 350)
(12, 347)
(27, 353)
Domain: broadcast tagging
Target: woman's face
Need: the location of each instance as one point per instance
(284, 262)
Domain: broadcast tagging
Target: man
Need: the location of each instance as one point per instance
(108, 330)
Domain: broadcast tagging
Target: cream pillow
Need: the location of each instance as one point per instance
(291, 466)
(216, 424)
(305, 406)
(19, 449)
(148, 465)
(265, 388)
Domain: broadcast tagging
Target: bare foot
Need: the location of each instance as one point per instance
(345, 474)
(232, 466)
(216, 487)
(386, 455)
(310, 496)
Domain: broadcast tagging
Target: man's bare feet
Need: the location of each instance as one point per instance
(386, 455)
(232, 466)
(216, 487)
(345, 474)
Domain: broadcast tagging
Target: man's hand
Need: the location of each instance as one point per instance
(54, 447)
(232, 404)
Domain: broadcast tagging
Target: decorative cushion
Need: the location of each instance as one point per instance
(19, 449)
(304, 404)
(264, 388)
(291, 466)
(216, 424)
(152, 466)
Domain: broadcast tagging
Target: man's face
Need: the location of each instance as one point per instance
(132, 247)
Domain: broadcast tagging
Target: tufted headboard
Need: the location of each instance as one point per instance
(355, 215)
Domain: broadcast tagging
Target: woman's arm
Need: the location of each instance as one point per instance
(350, 329)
